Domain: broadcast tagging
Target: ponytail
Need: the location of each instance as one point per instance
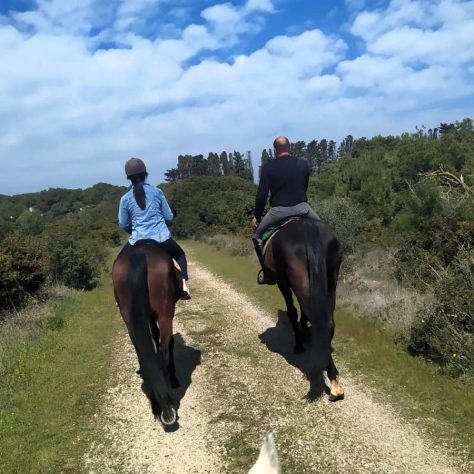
(138, 191)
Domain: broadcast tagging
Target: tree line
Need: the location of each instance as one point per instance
(316, 153)
(223, 164)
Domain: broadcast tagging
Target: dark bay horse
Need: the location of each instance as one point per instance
(146, 288)
(304, 258)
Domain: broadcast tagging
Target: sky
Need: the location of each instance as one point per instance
(86, 84)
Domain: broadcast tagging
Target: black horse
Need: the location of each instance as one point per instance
(147, 286)
(304, 258)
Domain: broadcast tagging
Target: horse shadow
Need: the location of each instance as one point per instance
(186, 360)
(280, 340)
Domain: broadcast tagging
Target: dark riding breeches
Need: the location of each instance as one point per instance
(172, 248)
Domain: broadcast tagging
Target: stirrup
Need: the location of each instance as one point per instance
(263, 279)
(185, 295)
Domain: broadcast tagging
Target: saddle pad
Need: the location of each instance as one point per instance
(270, 233)
(176, 265)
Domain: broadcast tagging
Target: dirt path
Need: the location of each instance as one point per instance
(244, 387)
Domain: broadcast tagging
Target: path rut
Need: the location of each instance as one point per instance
(239, 391)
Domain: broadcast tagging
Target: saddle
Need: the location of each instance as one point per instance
(272, 231)
(151, 242)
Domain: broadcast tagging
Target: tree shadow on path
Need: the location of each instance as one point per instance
(280, 340)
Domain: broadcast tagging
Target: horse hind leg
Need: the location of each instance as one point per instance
(304, 325)
(174, 380)
(166, 346)
(336, 392)
(292, 313)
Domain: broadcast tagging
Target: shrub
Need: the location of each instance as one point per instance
(77, 264)
(345, 217)
(234, 244)
(206, 205)
(444, 333)
(23, 268)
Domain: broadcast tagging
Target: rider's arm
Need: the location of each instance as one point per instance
(166, 210)
(124, 217)
(262, 194)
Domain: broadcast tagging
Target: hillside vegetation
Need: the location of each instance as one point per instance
(412, 196)
(55, 236)
(403, 207)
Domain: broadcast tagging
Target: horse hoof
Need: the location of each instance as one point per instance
(171, 419)
(336, 392)
(335, 397)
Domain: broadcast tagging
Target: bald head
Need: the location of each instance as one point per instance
(281, 146)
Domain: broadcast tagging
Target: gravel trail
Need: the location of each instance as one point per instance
(242, 388)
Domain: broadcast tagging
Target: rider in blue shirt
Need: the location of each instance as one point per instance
(145, 214)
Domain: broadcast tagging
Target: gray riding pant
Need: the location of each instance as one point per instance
(276, 215)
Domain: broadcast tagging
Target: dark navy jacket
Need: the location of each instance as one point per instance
(286, 178)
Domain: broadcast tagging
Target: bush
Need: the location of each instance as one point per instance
(76, 264)
(445, 332)
(345, 217)
(206, 205)
(23, 269)
(234, 244)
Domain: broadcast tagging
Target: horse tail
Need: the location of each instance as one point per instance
(319, 304)
(150, 362)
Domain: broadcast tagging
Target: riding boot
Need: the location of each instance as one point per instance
(261, 278)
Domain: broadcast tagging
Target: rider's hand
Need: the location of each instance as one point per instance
(254, 222)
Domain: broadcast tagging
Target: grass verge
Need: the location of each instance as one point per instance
(52, 380)
(443, 407)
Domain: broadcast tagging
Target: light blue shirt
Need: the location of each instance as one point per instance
(149, 223)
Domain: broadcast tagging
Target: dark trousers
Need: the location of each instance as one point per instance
(169, 246)
(276, 215)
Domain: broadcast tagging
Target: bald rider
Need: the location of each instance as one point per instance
(286, 178)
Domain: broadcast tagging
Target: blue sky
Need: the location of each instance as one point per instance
(85, 84)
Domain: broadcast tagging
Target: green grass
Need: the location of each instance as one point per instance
(444, 406)
(52, 383)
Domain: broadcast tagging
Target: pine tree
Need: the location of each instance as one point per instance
(312, 155)
(171, 175)
(239, 164)
(249, 167)
(184, 166)
(265, 157)
(332, 150)
(214, 165)
(298, 149)
(225, 164)
(199, 166)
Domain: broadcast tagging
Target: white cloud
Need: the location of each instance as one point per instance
(71, 114)
(259, 5)
(228, 21)
(58, 16)
(416, 49)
